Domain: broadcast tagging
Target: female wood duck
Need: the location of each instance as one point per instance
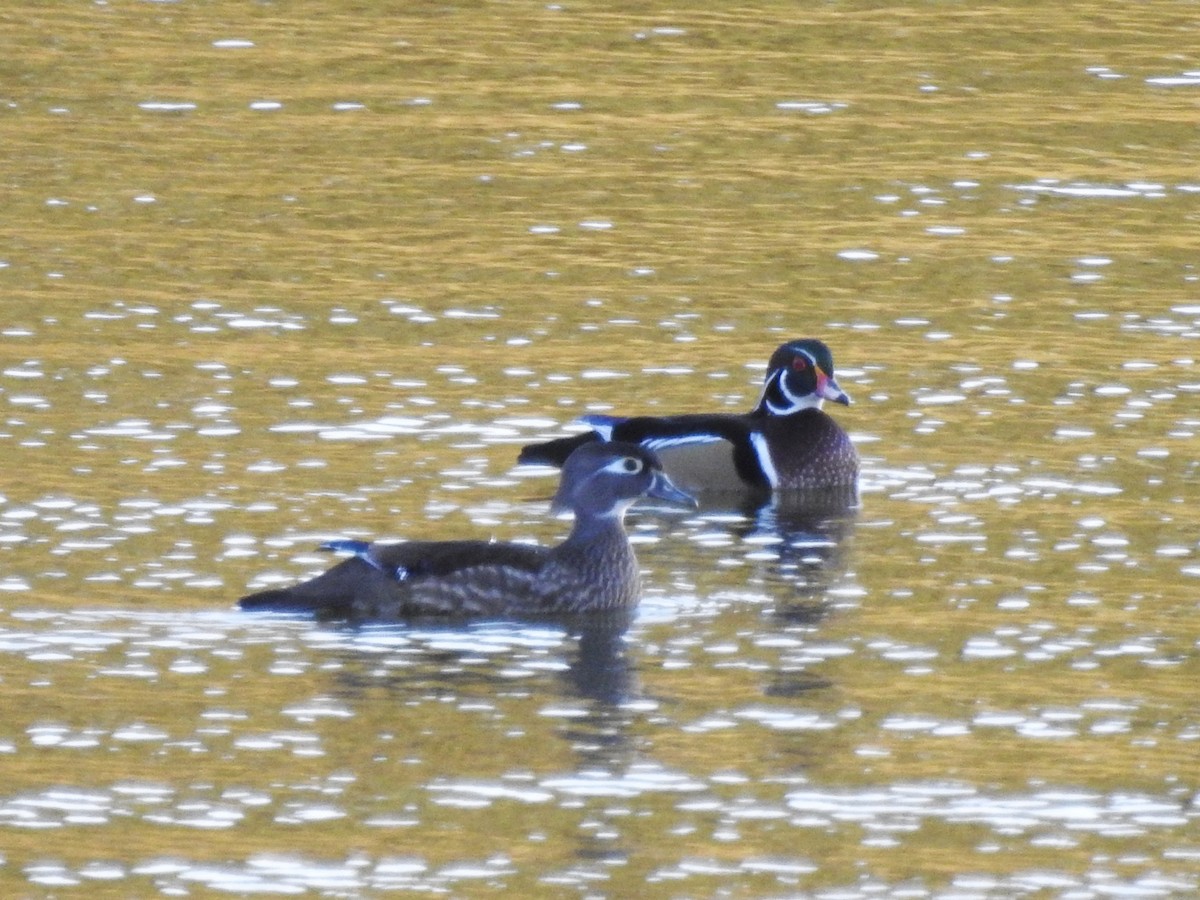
(593, 570)
(786, 443)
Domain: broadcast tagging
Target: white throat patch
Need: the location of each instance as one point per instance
(794, 403)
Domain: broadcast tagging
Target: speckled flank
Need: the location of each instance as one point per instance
(593, 570)
(598, 572)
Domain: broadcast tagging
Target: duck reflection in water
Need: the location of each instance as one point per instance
(601, 669)
(810, 532)
(590, 653)
(797, 540)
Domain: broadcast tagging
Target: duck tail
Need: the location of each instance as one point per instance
(554, 453)
(278, 600)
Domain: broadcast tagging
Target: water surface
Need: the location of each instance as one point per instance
(277, 275)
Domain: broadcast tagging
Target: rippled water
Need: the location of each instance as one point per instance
(273, 278)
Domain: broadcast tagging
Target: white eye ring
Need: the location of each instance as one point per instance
(626, 465)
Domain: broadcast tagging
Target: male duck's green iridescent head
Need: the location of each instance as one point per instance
(799, 376)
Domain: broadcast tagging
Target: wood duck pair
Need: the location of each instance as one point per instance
(786, 443)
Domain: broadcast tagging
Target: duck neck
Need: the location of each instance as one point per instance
(593, 528)
(600, 558)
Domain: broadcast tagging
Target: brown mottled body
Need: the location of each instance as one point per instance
(593, 570)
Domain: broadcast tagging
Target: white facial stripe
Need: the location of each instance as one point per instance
(759, 442)
(794, 404)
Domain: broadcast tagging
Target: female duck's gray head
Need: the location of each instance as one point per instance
(603, 479)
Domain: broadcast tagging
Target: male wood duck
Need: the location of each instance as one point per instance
(593, 570)
(786, 443)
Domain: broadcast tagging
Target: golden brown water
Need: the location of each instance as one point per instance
(273, 273)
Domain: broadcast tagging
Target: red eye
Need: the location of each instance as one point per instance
(799, 363)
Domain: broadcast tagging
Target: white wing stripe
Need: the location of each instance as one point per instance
(661, 443)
